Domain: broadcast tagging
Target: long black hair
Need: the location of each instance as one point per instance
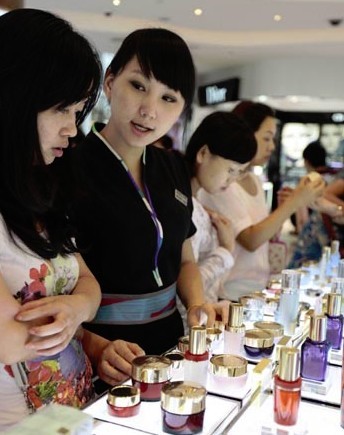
(44, 63)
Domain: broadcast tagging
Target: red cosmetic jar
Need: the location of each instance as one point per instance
(150, 373)
(123, 401)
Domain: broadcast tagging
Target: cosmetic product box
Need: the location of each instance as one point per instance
(55, 420)
(317, 387)
(335, 357)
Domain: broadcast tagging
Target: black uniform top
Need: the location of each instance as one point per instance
(118, 238)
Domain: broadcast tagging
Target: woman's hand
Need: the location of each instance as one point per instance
(283, 194)
(114, 365)
(307, 191)
(55, 321)
(207, 313)
(224, 229)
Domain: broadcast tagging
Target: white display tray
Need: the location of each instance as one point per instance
(332, 397)
(313, 420)
(219, 411)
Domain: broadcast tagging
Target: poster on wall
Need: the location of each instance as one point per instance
(294, 138)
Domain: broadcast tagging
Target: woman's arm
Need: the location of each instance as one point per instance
(305, 193)
(191, 293)
(334, 192)
(66, 312)
(14, 334)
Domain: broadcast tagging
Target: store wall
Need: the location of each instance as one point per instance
(312, 76)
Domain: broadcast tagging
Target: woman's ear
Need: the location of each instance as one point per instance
(108, 83)
(202, 153)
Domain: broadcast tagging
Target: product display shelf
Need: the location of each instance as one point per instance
(313, 419)
(219, 411)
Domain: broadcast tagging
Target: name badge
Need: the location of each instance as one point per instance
(181, 197)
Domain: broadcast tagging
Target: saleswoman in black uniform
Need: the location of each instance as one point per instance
(134, 217)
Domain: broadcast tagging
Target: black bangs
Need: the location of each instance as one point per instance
(168, 60)
(77, 77)
(160, 53)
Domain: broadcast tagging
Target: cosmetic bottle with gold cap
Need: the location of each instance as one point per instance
(314, 351)
(234, 332)
(334, 320)
(287, 387)
(196, 357)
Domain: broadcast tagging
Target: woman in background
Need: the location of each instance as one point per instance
(217, 154)
(244, 204)
(49, 82)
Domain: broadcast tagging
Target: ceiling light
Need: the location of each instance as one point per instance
(198, 12)
(116, 2)
(277, 17)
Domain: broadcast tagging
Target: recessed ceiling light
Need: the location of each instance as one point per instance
(198, 12)
(277, 17)
(116, 2)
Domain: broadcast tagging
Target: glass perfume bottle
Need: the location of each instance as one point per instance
(334, 320)
(196, 357)
(287, 387)
(337, 286)
(287, 311)
(324, 264)
(314, 351)
(233, 335)
(334, 259)
(340, 273)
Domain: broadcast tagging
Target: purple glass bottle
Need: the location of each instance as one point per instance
(314, 351)
(334, 320)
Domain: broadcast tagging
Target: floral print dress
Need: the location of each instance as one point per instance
(65, 378)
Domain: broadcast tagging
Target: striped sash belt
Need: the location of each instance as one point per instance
(123, 309)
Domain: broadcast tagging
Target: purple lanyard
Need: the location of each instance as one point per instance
(146, 198)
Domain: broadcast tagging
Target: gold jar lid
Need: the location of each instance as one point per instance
(177, 359)
(229, 366)
(123, 396)
(213, 334)
(151, 369)
(183, 398)
(258, 338)
(275, 328)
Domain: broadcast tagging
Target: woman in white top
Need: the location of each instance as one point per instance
(244, 204)
(218, 153)
(49, 82)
